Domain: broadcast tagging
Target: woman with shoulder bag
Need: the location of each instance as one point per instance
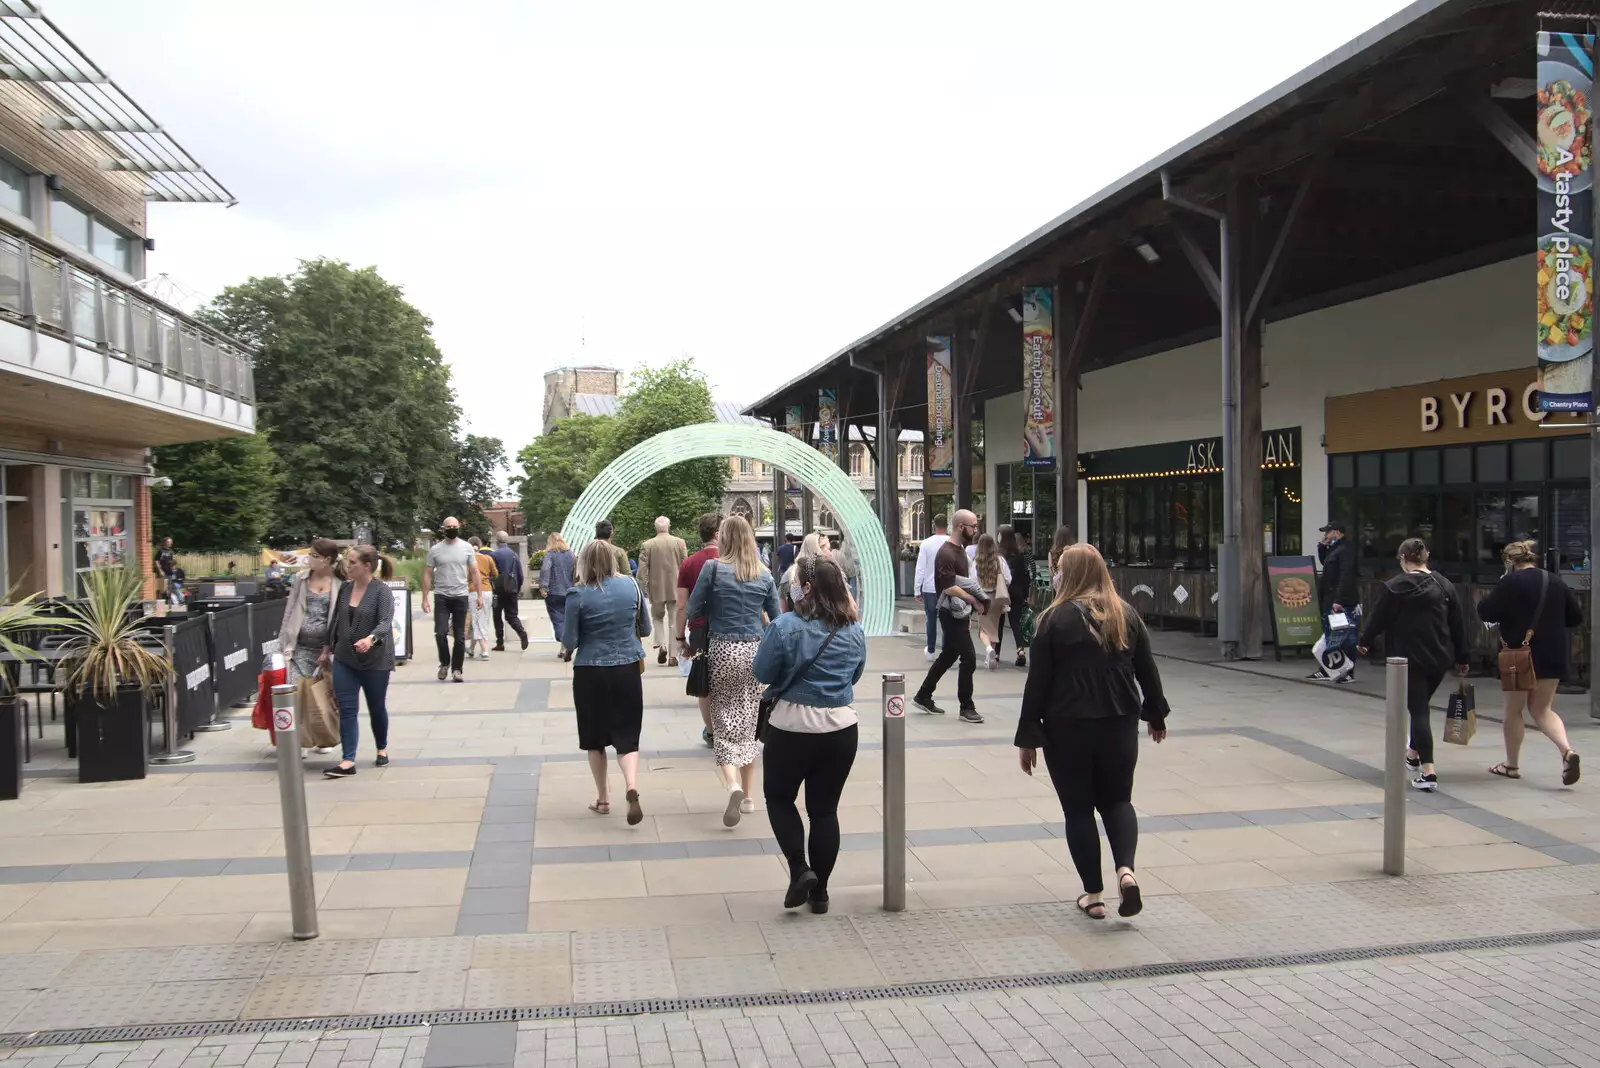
(304, 633)
(811, 659)
(1422, 618)
(994, 575)
(1093, 679)
(361, 644)
(606, 616)
(1534, 609)
(736, 596)
(1020, 566)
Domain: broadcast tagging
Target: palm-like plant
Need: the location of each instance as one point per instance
(16, 617)
(104, 652)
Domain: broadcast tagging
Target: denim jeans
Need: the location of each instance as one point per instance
(348, 685)
(930, 608)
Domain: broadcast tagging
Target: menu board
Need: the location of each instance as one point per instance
(1292, 586)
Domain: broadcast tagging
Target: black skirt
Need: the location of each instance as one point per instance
(610, 704)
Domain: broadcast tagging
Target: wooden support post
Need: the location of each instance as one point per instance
(961, 355)
(1074, 318)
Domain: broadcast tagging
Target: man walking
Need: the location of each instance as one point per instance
(691, 633)
(166, 562)
(786, 554)
(924, 582)
(958, 596)
(508, 588)
(603, 531)
(451, 572)
(660, 558)
(1337, 590)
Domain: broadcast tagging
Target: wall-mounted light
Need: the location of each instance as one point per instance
(1147, 252)
(52, 182)
(1011, 310)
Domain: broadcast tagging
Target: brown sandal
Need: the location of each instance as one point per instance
(1505, 771)
(1569, 768)
(635, 810)
(602, 807)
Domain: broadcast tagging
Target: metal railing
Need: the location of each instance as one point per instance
(70, 300)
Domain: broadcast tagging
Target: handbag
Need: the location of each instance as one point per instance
(638, 613)
(699, 680)
(1516, 661)
(1460, 715)
(1027, 619)
(316, 711)
(768, 703)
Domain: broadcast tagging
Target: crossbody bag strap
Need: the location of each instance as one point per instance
(798, 675)
(1544, 589)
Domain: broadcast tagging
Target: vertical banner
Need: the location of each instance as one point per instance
(828, 424)
(1038, 377)
(941, 446)
(794, 424)
(1565, 118)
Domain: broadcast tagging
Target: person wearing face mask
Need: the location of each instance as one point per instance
(304, 632)
(449, 580)
(959, 597)
(814, 547)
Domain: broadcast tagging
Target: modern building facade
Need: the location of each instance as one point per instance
(93, 370)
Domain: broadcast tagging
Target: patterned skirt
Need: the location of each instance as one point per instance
(735, 701)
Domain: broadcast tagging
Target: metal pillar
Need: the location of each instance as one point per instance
(170, 753)
(780, 505)
(1068, 310)
(292, 798)
(213, 724)
(1396, 733)
(1228, 597)
(894, 791)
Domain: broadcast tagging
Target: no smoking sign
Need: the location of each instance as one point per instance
(283, 719)
(894, 707)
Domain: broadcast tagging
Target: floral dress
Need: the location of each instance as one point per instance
(313, 636)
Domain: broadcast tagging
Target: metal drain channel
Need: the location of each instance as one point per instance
(591, 1009)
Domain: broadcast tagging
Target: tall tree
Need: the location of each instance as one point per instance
(221, 495)
(356, 396)
(557, 465)
(478, 464)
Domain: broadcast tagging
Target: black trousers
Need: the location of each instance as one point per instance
(1421, 681)
(506, 607)
(957, 646)
(1091, 765)
(822, 762)
(1013, 619)
(450, 621)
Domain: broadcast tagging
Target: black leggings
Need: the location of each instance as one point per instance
(1091, 765)
(822, 762)
(1420, 684)
(1012, 619)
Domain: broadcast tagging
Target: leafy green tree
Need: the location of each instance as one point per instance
(356, 396)
(660, 399)
(557, 465)
(221, 496)
(478, 464)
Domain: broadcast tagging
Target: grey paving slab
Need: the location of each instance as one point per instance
(726, 847)
(40, 873)
(169, 869)
(506, 832)
(482, 1045)
(943, 836)
(1016, 832)
(493, 923)
(443, 858)
(79, 873)
(370, 862)
(648, 851)
(588, 854)
(495, 876)
(1206, 821)
(491, 852)
(500, 899)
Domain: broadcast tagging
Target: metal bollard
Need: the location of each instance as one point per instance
(170, 753)
(894, 791)
(296, 832)
(1397, 733)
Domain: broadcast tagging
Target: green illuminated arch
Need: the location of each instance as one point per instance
(810, 467)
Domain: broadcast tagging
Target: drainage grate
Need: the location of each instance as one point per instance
(586, 1010)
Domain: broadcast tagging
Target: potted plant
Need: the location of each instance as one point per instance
(15, 617)
(108, 675)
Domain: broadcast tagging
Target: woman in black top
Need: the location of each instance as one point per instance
(361, 641)
(1021, 589)
(1530, 598)
(1093, 679)
(1422, 618)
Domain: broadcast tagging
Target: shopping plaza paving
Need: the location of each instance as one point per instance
(474, 912)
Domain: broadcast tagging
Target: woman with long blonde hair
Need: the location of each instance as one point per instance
(555, 582)
(813, 547)
(994, 575)
(736, 597)
(1093, 679)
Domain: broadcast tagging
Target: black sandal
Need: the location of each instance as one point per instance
(1088, 909)
(1132, 901)
(1569, 768)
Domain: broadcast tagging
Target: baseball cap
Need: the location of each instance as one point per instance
(1333, 526)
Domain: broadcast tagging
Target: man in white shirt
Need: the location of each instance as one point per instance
(924, 581)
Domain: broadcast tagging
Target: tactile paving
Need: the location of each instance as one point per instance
(245, 961)
(827, 969)
(115, 967)
(412, 991)
(799, 934)
(623, 980)
(983, 922)
(715, 939)
(1023, 955)
(1211, 942)
(421, 955)
(491, 988)
(295, 996)
(748, 973)
(915, 961)
(216, 999)
(1272, 902)
(517, 951)
(84, 1006)
(619, 944)
(31, 971)
(900, 928)
(347, 957)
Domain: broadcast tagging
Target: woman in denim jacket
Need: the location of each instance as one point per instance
(555, 582)
(736, 597)
(811, 659)
(606, 615)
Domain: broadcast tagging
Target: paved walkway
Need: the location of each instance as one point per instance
(469, 874)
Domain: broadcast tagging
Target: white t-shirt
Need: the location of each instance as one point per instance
(925, 554)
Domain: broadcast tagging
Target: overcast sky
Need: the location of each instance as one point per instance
(624, 183)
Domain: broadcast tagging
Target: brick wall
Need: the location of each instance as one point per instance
(599, 380)
(73, 155)
(143, 552)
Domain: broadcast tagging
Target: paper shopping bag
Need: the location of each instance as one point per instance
(317, 712)
(1461, 716)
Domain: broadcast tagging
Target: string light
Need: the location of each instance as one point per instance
(1182, 471)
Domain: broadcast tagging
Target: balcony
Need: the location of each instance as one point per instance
(83, 352)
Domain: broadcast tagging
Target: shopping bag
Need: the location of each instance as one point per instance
(317, 712)
(1025, 623)
(1335, 651)
(261, 715)
(1461, 716)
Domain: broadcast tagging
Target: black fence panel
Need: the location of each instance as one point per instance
(192, 681)
(233, 667)
(266, 619)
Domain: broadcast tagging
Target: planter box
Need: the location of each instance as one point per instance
(114, 740)
(12, 724)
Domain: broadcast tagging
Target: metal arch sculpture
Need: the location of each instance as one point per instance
(812, 468)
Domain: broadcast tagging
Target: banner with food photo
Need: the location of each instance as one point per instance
(1563, 125)
(828, 424)
(794, 424)
(1292, 584)
(1038, 377)
(941, 447)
